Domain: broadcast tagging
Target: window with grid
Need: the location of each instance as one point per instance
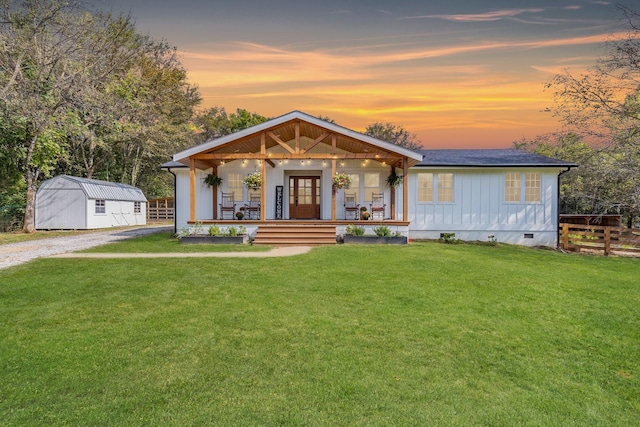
(532, 188)
(234, 185)
(371, 185)
(100, 207)
(425, 187)
(512, 187)
(136, 207)
(445, 187)
(355, 186)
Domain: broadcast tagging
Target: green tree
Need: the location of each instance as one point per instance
(51, 50)
(394, 134)
(89, 96)
(214, 122)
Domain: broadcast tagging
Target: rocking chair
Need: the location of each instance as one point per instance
(351, 208)
(227, 207)
(377, 205)
(252, 210)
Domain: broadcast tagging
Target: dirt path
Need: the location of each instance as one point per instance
(65, 246)
(18, 253)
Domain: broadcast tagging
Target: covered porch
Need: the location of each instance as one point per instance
(297, 156)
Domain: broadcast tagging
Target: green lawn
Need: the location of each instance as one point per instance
(427, 334)
(164, 242)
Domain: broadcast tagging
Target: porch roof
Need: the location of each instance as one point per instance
(295, 126)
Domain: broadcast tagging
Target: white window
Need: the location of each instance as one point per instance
(355, 186)
(445, 187)
(100, 207)
(532, 188)
(136, 207)
(425, 187)
(512, 187)
(371, 185)
(435, 186)
(514, 184)
(234, 185)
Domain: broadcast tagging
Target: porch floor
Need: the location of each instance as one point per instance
(305, 222)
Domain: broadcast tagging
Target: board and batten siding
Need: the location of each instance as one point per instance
(479, 209)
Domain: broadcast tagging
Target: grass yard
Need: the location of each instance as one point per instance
(427, 334)
(164, 242)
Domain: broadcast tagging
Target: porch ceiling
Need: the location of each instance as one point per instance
(303, 139)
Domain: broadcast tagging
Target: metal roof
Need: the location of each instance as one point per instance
(96, 189)
(488, 158)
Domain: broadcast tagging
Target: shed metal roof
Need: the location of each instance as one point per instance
(489, 158)
(96, 189)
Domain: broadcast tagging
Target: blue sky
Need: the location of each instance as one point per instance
(458, 74)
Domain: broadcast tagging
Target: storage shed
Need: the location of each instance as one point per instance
(70, 203)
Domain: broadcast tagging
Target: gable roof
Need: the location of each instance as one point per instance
(293, 116)
(95, 189)
(489, 158)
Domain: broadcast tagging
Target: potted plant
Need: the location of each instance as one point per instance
(394, 180)
(253, 181)
(341, 180)
(383, 235)
(364, 214)
(239, 215)
(212, 180)
(215, 235)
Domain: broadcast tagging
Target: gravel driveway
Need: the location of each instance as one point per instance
(18, 253)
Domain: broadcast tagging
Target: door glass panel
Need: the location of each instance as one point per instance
(292, 198)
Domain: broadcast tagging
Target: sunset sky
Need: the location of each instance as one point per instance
(459, 73)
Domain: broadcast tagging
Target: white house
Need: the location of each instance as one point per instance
(508, 194)
(68, 202)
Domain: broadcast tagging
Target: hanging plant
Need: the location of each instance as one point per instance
(394, 180)
(212, 180)
(341, 180)
(253, 181)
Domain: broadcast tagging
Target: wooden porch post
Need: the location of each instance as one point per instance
(263, 171)
(334, 142)
(192, 189)
(392, 197)
(333, 190)
(405, 190)
(215, 194)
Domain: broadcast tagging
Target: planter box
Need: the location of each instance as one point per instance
(375, 240)
(215, 240)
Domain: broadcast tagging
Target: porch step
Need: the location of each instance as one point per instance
(290, 235)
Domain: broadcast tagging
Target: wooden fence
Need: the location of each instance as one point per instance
(159, 209)
(598, 237)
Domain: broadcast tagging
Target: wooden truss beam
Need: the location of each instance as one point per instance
(281, 143)
(297, 156)
(315, 142)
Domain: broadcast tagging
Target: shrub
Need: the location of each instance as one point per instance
(382, 231)
(448, 238)
(354, 230)
(214, 230)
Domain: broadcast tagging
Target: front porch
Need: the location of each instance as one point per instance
(296, 157)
